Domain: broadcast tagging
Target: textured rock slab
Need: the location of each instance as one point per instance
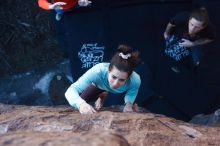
(63, 124)
(65, 138)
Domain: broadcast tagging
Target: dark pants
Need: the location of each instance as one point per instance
(91, 93)
(196, 55)
(189, 63)
(192, 61)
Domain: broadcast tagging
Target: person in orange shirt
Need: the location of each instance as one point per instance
(60, 6)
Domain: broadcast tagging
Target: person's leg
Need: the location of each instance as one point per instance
(176, 66)
(196, 55)
(99, 102)
(186, 63)
(59, 14)
(183, 64)
(196, 59)
(91, 92)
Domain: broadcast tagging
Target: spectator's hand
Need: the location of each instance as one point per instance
(85, 108)
(128, 107)
(165, 35)
(84, 3)
(186, 43)
(57, 5)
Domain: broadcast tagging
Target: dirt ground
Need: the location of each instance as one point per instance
(27, 37)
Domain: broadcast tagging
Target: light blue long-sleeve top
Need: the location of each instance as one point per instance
(98, 75)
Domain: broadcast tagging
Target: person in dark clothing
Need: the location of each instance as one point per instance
(185, 35)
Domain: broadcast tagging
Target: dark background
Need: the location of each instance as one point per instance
(29, 40)
(27, 37)
(141, 24)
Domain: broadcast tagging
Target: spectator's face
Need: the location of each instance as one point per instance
(116, 78)
(195, 26)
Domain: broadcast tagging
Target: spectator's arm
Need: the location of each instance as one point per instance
(168, 30)
(202, 42)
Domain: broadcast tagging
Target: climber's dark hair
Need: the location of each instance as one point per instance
(125, 59)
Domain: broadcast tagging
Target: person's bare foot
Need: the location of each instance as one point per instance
(99, 102)
(135, 107)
